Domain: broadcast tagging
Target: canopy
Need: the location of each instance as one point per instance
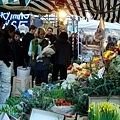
(109, 8)
(93, 24)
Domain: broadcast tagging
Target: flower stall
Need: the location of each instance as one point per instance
(97, 77)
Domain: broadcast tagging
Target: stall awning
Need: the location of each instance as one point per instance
(110, 8)
(2, 2)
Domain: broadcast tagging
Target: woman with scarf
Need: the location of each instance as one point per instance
(40, 70)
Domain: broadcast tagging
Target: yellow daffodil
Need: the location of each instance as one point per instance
(106, 110)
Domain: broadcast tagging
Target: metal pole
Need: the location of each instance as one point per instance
(58, 24)
(73, 25)
(73, 22)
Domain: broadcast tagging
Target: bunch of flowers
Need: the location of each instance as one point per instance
(103, 111)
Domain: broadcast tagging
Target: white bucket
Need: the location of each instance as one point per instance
(23, 72)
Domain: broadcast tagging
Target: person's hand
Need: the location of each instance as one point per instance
(33, 54)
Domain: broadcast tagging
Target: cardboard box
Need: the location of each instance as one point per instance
(37, 114)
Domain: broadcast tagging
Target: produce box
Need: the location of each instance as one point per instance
(67, 111)
(37, 114)
(63, 102)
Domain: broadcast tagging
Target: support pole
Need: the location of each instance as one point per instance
(58, 26)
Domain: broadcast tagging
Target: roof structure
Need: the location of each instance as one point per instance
(109, 8)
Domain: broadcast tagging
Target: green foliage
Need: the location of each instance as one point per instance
(79, 99)
(106, 86)
(56, 93)
(78, 61)
(37, 100)
(103, 111)
(102, 86)
(12, 101)
(10, 110)
(10, 107)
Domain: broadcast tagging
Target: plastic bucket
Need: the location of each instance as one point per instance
(23, 72)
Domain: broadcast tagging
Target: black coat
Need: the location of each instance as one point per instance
(26, 42)
(63, 52)
(5, 49)
(18, 58)
(52, 38)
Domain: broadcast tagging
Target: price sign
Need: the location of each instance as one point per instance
(16, 19)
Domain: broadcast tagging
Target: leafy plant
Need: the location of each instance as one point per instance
(103, 111)
(96, 86)
(79, 99)
(56, 93)
(12, 101)
(37, 100)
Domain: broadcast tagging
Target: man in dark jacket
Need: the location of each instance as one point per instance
(62, 57)
(26, 41)
(17, 48)
(52, 38)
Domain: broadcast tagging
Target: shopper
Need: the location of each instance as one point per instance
(26, 41)
(18, 59)
(62, 57)
(50, 36)
(41, 68)
(73, 40)
(5, 63)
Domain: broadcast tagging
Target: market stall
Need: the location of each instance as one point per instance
(87, 29)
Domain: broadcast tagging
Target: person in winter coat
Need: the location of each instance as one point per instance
(6, 63)
(41, 68)
(62, 57)
(73, 41)
(52, 38)
(26, 41)
(18, 59)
